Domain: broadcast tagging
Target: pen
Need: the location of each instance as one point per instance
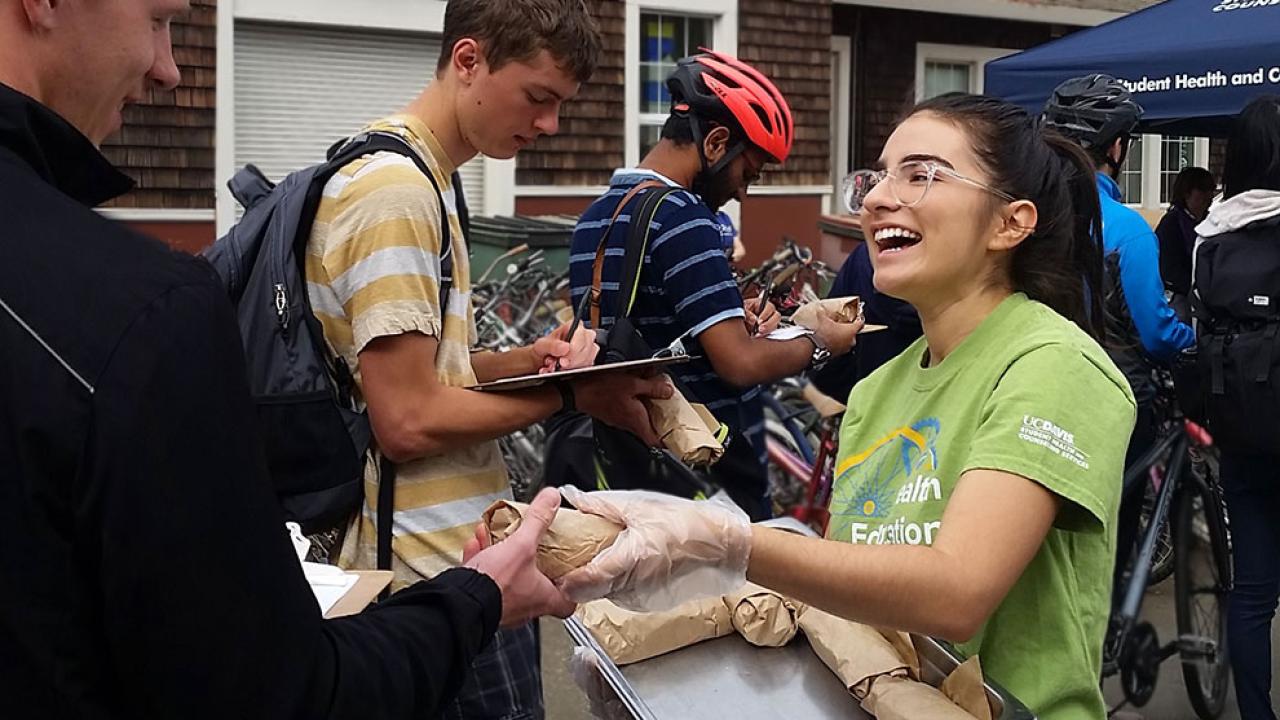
(764, 299)
(577, 320)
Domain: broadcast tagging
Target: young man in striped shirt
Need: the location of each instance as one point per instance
(374, 272)
(727, 121)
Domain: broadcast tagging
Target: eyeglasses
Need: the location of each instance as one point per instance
(909, 183)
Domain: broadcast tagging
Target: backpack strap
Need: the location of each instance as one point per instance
(1217, 346)
(637, 246)
(1264, 360)
(597, 268)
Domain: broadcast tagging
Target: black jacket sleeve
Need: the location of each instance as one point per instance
(205, 610)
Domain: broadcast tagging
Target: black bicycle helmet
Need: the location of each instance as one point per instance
(1093, 110)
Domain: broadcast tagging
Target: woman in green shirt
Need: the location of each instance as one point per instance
(979, 472)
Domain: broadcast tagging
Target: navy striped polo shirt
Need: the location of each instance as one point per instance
(685, 287)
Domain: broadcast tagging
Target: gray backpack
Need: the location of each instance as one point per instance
(316, 442)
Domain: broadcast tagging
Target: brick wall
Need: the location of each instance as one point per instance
(590, 144)
(798, 60)
(166, 144)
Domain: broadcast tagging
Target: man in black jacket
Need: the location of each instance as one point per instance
(144, 563)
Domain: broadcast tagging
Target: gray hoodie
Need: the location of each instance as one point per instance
(1239, 212)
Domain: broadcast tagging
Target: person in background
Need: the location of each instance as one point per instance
(728, 121)
(729, 235)
(1249, 214)
(1143, 330)
(1188, 204)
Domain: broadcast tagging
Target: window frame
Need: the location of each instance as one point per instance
(1153, 167)
(975, 56)
(724, 37)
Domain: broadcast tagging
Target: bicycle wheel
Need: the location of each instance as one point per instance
(1202, 577)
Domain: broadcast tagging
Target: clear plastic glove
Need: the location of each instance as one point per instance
(672, 550)
(603, 703)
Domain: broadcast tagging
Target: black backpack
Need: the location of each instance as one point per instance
(1237, 304)
(316, 442)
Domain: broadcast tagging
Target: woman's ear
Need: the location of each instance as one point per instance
(716, 144)
(1017, 223)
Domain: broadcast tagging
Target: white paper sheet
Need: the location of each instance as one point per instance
(788, 332)
(327, 595)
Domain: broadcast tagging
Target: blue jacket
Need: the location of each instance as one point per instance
(1127, 236)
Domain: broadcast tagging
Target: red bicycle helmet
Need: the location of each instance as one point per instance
(718, 87)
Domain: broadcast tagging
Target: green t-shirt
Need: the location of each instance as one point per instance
(1030, 394)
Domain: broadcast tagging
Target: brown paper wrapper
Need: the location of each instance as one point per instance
(858, 654)
(763, 617)
(895, 698)
(687, 430)
(630, 637)
(965, 688)
(906, 649)
(573, 539)
(844, 310)
(826, 405)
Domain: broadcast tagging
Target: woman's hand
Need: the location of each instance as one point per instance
(672, 550)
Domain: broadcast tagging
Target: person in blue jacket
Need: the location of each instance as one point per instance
(1098, 112)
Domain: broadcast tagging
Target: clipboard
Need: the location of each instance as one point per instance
(522, 382)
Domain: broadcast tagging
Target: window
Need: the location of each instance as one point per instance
(664, 39)
(951, 68)
(1153, 164)
(944, 77)
(1131, 173)
(1176, 153)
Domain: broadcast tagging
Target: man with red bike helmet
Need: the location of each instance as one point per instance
(727, 122)
(716, 90)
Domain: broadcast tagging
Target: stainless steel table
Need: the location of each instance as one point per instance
(730, 678)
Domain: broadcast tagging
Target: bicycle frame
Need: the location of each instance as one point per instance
(1174, 443)
(815, 477)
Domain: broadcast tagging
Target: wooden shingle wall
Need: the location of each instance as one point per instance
(790, 42)
(166, 144)
(885, 60)
(590, 144)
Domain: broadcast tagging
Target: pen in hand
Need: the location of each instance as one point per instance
(573, 326)
(764, 300)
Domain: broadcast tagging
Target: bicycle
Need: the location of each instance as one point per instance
(1189, 497)
(801, 488)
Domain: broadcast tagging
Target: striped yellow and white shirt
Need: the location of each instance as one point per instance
(373, 270)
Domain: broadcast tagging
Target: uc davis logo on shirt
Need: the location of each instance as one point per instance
(896, 470)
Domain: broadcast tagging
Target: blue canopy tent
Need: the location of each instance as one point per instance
(1192, 64)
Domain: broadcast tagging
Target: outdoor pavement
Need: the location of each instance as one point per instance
(564, 701)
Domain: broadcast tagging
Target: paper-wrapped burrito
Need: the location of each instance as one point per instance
(858, 654)
(896, 698)
(687, 430)
(630, 637)
(843, 309)
(573, 539)
(964, 687)
(763, 617)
